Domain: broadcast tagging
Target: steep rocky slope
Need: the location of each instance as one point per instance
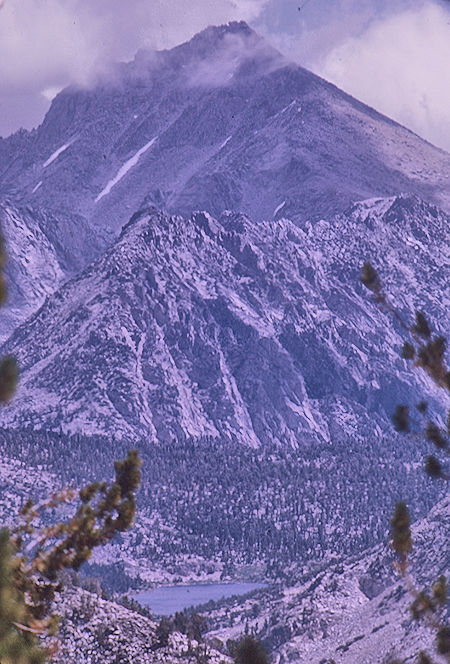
(43, 250)
(232, 329)
(97, 631)
(221, 122)
(353, 611)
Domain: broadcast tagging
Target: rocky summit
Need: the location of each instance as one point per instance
(221, 122)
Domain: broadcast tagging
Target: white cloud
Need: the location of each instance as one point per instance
(399, 65)
(230, 53)
(50, 93)
(307, 30)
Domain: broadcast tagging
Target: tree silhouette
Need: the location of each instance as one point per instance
(250, 651)
(32, 555)
(427, 353)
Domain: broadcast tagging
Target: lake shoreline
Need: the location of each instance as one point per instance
(167, 600)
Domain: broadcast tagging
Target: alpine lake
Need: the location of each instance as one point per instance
(167, 600)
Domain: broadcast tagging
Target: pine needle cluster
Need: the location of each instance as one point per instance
(427, 352)
(33, 556)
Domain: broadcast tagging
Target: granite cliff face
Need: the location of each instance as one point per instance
(222, 122)
(43, 250)
(257, 332)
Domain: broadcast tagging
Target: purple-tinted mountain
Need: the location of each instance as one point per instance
(221, 122)
(43, 250)
(256, 332)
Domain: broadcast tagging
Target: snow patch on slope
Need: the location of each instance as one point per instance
(226, 141)
(278, 208)
(56, 154)
(124, 170)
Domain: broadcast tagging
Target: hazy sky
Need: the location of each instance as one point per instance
(392, 54)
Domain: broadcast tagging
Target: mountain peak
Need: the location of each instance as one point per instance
(235, 39)
(214, 34)
(222, 122)
(232, 27)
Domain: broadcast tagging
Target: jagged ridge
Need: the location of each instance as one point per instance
(226, 328)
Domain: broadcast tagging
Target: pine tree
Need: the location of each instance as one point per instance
(32, 557)
(250, 651)
(163, 631)
(427, 353)
(17, 644)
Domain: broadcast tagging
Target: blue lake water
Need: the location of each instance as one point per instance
(166, 600)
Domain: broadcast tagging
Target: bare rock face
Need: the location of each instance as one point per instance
(257, 332)
(43, 251)
(222, 122)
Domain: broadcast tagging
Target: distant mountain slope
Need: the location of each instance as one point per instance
(43, 250)
(256, 332)
(221, 122)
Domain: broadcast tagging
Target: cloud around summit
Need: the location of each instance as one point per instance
(393, 56)
(48, 44)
